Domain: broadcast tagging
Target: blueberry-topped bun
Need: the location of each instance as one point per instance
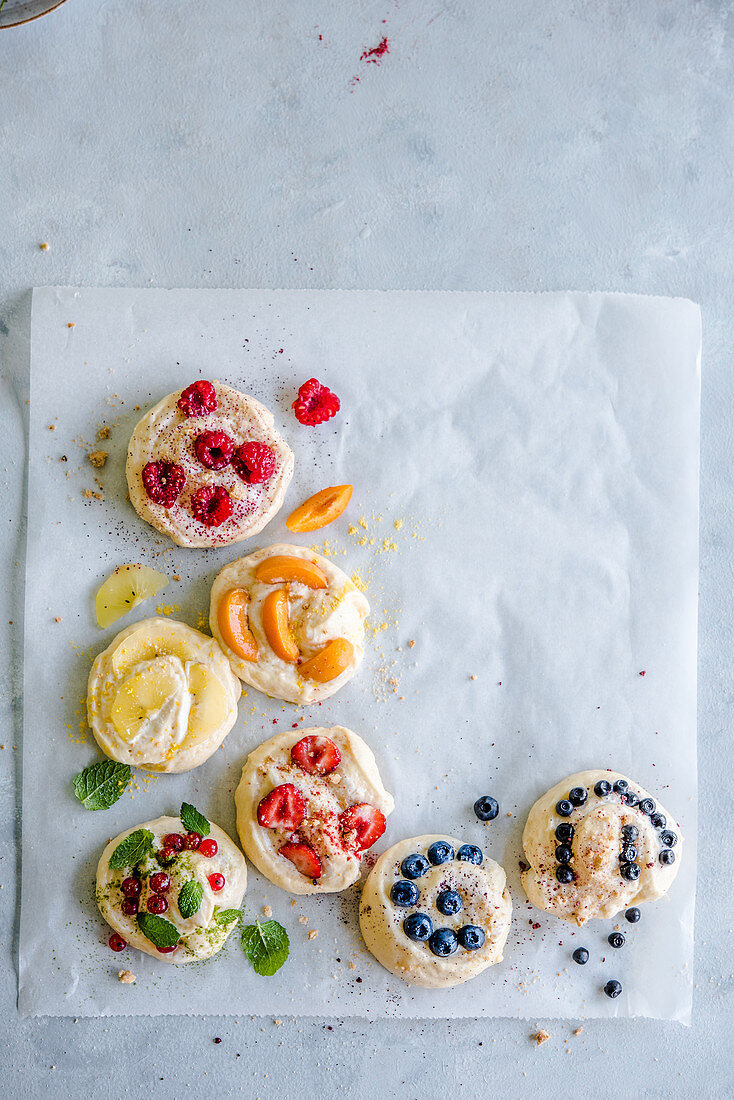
(435, 912)
(598, 843)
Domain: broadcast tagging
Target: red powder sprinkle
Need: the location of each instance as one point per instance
(376, 54)
(643, 672)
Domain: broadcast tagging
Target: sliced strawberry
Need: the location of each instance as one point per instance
(316, 754)
(362, 825)
(303, 858)
(283, 808)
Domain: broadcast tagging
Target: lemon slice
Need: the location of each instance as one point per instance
(125, 589)
(155, 638)
(209, 703)
(142, 696)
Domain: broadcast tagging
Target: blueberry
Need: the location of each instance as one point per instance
(616, 939)
(440, 852)
(613, 988)
(577, 796)
(631, 799)
(658, 821)
(564, 831)
(630, 833)
(630, 871)
(470, 854)
(580, 956)
(669, 839)
(413, 866)
(602, 788)
(449, 902)
(563, 854)
(443, 942)
(632, 915)
(471, 937)
(564, 874)
(404, 893)
(647, 806)
(628, 854)
(620, 786)
(667, 857)
(486, 808)
(564, 808)
(418, 927)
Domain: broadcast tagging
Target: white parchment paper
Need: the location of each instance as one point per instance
(526, 477)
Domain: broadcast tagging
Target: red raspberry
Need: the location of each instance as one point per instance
(214, 449)
(198, 399)
(211, 505)
(315, 403)
(163, 482)
(254, 462)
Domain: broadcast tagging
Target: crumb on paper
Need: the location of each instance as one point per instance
(540, 1037)
(472, 677)
(267, 911)
(411, 643)
(579, 1030)
(313, 934)
(43, 246)
(57, 618)
(103, 432)
(126, 977)
(303, 919)
(91, 495)
(52, 427)
(352, 964)
(71, 324)
(278, 1023)
(176, 577)
(98, 458)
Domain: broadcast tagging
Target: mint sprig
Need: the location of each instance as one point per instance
(266, 946)
(189, 898)
(99, 785)
(132, 849)
(226, 916)
(193, 821)
(158, 930)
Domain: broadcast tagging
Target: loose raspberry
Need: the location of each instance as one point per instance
(316, 754)
(303, 858)
(163, 482)
(362, 825)
(283, 808)
(254, 462)
(198, 399)
(211, 505)
(214, 450)
(315, 403)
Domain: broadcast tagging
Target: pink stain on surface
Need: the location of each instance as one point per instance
(376, 54)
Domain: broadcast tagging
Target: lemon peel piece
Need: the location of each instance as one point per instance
(128, 586)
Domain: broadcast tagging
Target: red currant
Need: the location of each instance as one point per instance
(130, 887)
(209, 847)
(192, 841)
(166, 855)
(157, 903)
(216, 881)
(160, 882)
(168, 950)
(116, 942)
(173, 840)
(129, 906)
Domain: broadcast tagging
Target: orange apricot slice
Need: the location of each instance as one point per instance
(282, 568)
(320, 509)
(234, 625)
(277, 628)
(329, 662)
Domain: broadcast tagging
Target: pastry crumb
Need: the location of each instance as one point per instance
(352, 965)
(472, 677)
(540, 1037)
(313, 934)
(57, 619)
(71, 324)
(91, 495)
(411, 643)
(267, 911)
(335, 778)
(103, 432)
(52, 427)
(98, 458)
(579, 1030)
(126, 977)
(43, 246)
(278, 1023)
(303, 919)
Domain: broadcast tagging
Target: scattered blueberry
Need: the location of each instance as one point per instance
(471, 937)
(613, 988)
(628, 854)
(443, 942)
(632, 915)
(630, 871)
(418, 927)
(470, 854)
(669, 839)
(631, 799)
(404, 893)
(630, 833)
(667, 856)
(602, 788)
(577, 796)
(580, 956)
(486, 808)
(616, 939)
(564, 874)
(564, 808)
(440, 852)
(564, 831)
(563, 854)
(620, 786)
(413, 866)
(449, 902)
(647, 806)
(659, 821)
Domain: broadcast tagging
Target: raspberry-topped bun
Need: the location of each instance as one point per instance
(162, 696)
(170, 892)
(290, 621)
(435, 912)
(309, 804)
(598, 843)
(207, 466)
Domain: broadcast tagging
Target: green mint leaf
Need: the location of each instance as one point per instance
(189, 898)
(193, 821)
(132, 849)
(158, 930)
(100, 785)
(226, 916)
(266, 946)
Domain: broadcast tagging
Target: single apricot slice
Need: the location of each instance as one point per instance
(277, 628)
(234, 625)
(320, 509)
(329, 662)
(282, 568)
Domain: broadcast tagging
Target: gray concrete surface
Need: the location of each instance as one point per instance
(523, 145)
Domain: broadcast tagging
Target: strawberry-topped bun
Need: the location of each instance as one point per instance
(309, 804)
(207, 467)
